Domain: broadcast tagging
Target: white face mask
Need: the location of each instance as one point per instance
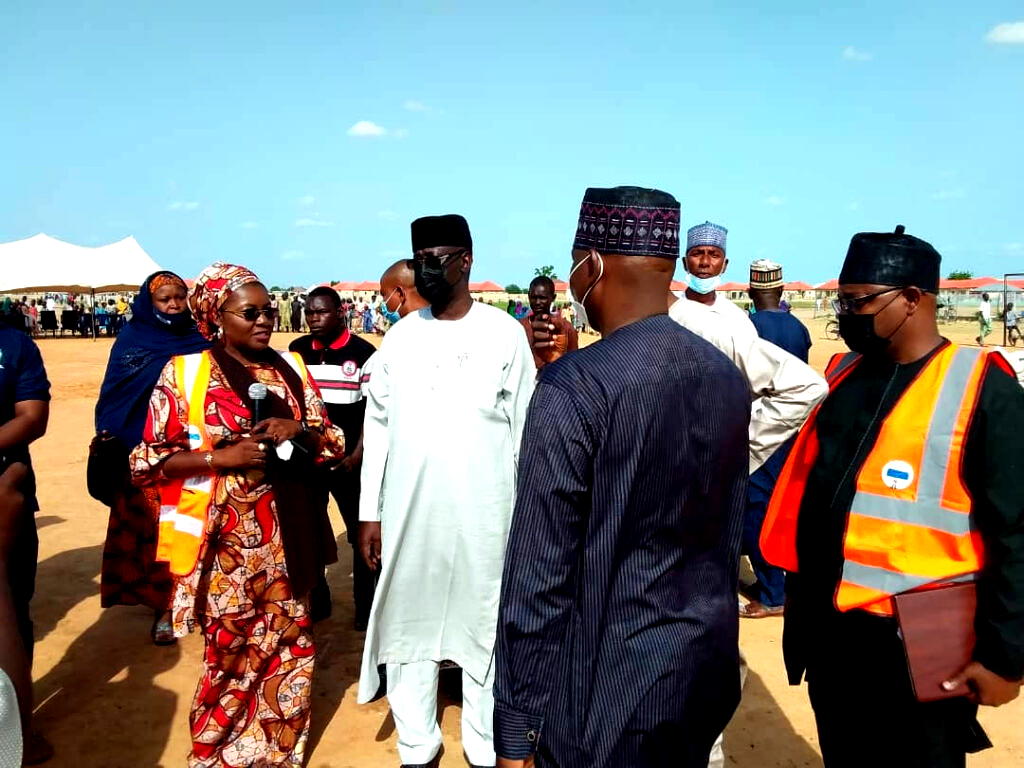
(578, 305)
(703, 285)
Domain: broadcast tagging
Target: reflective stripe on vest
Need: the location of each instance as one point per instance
(778, 532)
(910, 522)
(185, 504)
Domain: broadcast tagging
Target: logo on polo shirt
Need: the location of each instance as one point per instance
(349, 367)
(897, 474)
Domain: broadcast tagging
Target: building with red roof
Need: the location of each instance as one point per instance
(488, 286)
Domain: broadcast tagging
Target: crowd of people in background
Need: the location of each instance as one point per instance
(562, 524)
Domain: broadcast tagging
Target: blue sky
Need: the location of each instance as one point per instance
(224, 131)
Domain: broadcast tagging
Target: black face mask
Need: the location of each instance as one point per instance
(176, 323)
(858, 331)
(433, 284)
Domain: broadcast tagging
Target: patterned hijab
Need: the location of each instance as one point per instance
(212, 289)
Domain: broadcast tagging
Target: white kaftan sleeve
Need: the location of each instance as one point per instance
(785, 390)
(517, 387)
(375, 437)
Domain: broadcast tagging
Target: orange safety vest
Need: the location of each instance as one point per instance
(185, 502)
(910, 524)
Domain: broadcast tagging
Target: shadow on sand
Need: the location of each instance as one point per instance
(62, 582)
(340, 647)
(760, 736)
(102, 691)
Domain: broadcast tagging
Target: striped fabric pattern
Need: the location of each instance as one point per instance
(617, 634)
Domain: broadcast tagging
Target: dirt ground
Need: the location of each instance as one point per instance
(106, 697)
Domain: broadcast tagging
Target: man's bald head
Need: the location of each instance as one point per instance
(398, 287)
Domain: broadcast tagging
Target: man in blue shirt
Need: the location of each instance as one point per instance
(781, 328)
(24, 411)
(775, 323)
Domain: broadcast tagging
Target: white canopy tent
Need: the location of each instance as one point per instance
(43, 263)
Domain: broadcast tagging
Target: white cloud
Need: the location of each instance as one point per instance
(367, 128)
(249, 225)
(308, 222)
(774, 200)
(293, 256)
(1009, 33)
(387, 215)
(307, 200)
(949, 194)
(855, 54)
(1014, 247)
(854, 206)
(412, 105)
(181, 205)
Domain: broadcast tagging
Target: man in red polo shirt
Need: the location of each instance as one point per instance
(335, 359)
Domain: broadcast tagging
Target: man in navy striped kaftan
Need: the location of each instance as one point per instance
(617, 630)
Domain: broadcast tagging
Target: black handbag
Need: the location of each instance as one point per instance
(107, 471)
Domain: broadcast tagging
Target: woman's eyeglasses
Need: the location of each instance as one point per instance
(252, 314)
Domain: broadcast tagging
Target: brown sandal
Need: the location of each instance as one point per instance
(757, 610)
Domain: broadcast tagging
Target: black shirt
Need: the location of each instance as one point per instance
(338, 372)
(848, 425)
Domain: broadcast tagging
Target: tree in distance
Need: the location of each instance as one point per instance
(548, 271)
(960, 274)
(513, 288)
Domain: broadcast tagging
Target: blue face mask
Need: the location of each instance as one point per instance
(702, 285)
(391, 317)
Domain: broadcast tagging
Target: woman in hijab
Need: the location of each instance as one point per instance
(244, 536)
(161, 327)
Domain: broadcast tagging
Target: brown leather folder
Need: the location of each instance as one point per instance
(937, 626)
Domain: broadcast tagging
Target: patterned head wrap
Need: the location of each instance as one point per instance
(765, 274)
(629, 221)
(160, 279)
(213, 287)
(706, 234)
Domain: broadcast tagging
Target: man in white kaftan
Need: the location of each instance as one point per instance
(783, 389)
(446, 402)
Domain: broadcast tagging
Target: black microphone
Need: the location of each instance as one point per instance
(258, 395)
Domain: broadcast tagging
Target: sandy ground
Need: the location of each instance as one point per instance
(106, 697)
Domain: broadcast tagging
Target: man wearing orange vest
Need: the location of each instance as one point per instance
(898, 482)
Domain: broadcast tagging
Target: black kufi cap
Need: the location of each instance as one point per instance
(450, 230)
(891, 258)
(632, 221)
